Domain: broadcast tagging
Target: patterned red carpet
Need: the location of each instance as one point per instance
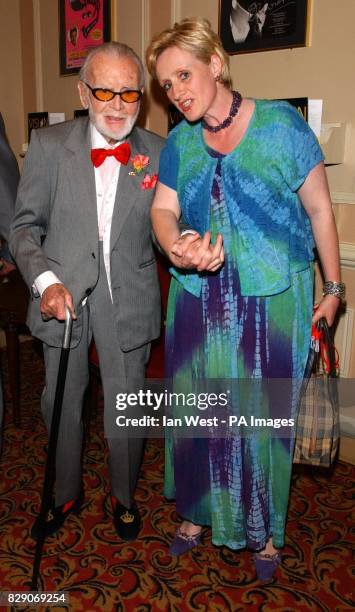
(100, 573)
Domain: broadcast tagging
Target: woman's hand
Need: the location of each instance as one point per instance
(193, 252)
(326, 308)
(190, 251)
(316, 200)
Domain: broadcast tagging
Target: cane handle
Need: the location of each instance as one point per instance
(67, 328)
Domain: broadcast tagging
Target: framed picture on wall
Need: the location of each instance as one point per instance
(246, 26)
(83, 25)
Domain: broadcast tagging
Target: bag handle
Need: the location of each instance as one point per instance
(327, 349)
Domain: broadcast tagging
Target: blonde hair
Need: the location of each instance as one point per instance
(195, 35)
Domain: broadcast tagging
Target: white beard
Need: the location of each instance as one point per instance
(118, 134)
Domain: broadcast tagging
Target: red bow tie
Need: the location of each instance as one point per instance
(121, 153)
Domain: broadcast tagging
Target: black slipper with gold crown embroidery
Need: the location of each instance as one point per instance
(56, 516)
(127, 521)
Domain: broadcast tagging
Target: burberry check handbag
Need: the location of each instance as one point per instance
(317, 430)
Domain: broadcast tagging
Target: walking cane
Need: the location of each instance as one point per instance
(49, 478)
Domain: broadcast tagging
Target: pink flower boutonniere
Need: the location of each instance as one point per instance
(139, 162)
(149, 182)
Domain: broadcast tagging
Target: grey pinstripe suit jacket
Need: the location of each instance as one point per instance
(55, 228)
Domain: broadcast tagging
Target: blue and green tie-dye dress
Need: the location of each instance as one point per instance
(238, 484)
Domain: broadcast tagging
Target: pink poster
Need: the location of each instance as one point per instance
(84, 24)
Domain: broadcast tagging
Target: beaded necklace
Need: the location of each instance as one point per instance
(235, 106)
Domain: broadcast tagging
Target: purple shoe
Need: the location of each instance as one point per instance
(266, 565)
(183, 542)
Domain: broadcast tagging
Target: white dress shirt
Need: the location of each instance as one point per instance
(106, 178)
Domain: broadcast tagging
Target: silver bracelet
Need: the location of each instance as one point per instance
(187, 231)
(334, 288)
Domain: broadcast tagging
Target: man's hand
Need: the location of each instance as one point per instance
(193, 252)
(6, 267)
(53, 302)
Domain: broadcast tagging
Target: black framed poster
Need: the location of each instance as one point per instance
(246, 26)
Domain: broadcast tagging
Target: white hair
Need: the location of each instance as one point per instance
(116, 49)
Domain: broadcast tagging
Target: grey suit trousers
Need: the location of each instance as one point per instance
(116, 368)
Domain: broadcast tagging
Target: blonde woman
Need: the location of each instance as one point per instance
(247, 176)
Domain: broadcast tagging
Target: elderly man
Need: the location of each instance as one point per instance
(81, 237)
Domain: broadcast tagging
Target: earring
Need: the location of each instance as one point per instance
(217, 78)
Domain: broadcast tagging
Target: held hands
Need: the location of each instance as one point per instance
(326, 308)
(53, 302)
(193, 252)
